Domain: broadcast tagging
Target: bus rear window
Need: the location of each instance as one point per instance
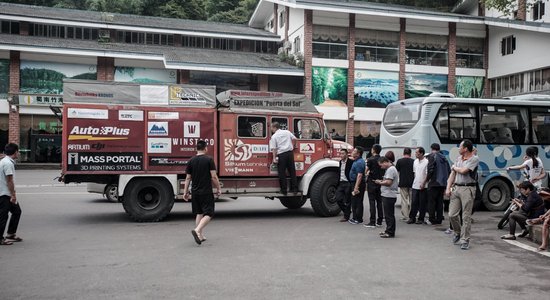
(400, 117)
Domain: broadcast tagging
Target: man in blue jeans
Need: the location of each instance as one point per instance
(358, 184)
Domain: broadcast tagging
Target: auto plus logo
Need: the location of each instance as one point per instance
(104, 133)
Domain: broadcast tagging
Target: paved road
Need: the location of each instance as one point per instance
(78, 246)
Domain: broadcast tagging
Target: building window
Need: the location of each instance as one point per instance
(282, 19)
(297, 44)
(508, 45)
(377, 46)
(426, 49)
(538, 10)
(9, 27)
(330, 42)
(469, 52)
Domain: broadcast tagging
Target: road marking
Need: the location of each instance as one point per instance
(527, 247)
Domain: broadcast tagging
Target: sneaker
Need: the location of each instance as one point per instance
(456, 238)
(411, 221)
(404, 219)
(428, 222)
(353, 221)
(449, 231)
(465, 245)
(370, 225)
(508, 237)
(379, 224)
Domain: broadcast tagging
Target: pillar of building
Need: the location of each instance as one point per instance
(522, 10)
(308, 51)
(402, 58)
(263, 82)
(184, 76)
(275, 18)
(13, 96)
(350, 127)
(481, 9)
(106, 68)
(486, 86)
(451, 79)
(287, 21)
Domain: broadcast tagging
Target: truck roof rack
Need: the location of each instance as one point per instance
(271, 101)
(532, 97)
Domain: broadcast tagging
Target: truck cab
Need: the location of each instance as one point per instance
(143, 148)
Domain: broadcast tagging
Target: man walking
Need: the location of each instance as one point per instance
(404, 166)
(201, 170)
(8, 197)
(461, 188)
(419, 193)
(356, 176)
(343, 191)
(282, 145)
(438, 174)
(374, 172)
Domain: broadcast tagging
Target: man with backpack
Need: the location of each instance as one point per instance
(438, 174)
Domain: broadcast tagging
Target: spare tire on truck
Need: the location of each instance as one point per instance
(293, 202)
(148, 199)
(322, 194)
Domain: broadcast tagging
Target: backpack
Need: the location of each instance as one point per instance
(442, 169)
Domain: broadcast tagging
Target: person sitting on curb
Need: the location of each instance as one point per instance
(532, 208)
(544, 219)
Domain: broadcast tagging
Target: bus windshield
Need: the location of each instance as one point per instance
(401, 116)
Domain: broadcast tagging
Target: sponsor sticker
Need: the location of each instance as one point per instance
(163, 115)
(192, 129)
(299, 166)
(157, 128)
(182, 96)
(308, 159)
(103, 133)
(168, 161)
(159, 145)
(130, 115)
(259, 149)
(307, 148)
(106, 161)
(87, 113)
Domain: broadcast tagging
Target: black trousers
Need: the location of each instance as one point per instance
(375, 205)
(435, 204)
(517, 217)
(343, 198)
(286, 162)
(357, 203)
(389, 213)
(7, 207)
(419, 204)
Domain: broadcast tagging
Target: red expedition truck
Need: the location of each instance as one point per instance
(140, 137)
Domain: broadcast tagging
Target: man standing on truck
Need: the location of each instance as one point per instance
(202, 171)
(282, 145)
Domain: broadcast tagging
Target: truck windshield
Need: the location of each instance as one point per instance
(401, 116)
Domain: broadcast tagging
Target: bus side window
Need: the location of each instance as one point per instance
(457, 122)
(541, 125)
(504, 124)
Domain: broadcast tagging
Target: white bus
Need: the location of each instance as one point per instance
(501, 129)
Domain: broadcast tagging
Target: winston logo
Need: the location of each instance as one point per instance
(236, 150)
(192, 129)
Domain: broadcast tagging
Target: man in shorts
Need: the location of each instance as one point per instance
(201, 170)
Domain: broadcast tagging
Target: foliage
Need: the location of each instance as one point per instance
(239, 15)
(319, 85)
(4, 76)
(504, 6)
(338, 89)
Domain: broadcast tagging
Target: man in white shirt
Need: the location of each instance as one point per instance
(419, 193)
(8, 197)
(282, 145)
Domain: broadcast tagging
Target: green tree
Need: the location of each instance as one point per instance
(217, 6)
(240, 15)
(319, 85)
(338, 89)
(505, 6)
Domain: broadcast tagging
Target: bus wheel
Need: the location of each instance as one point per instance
(496, 195)
(111, 192)
(323, 191)
(293, 202)
(148, 200)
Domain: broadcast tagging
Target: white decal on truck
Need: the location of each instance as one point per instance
(130, 115)
(236, 150)
(192, 129)
(159, 145)
(104, 130)
(307, 148)
(87, 113)
(157, 128)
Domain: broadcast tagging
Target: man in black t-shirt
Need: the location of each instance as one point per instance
(201, 171)
(404, 166)
(374, 172)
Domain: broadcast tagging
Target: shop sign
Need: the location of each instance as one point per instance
(40, 100)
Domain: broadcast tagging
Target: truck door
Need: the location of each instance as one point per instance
(310, 143)
(283, 122)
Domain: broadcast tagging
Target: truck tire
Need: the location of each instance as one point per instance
(148, 200)
(496, 195)
(323, 190)
(111, 193)
(293, 202)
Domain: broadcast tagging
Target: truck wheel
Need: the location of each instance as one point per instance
(148, 200)
(293, 202)
(111, 192)
(496, 195)
(322, 195)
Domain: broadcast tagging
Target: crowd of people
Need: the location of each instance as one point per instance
(422, 184)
